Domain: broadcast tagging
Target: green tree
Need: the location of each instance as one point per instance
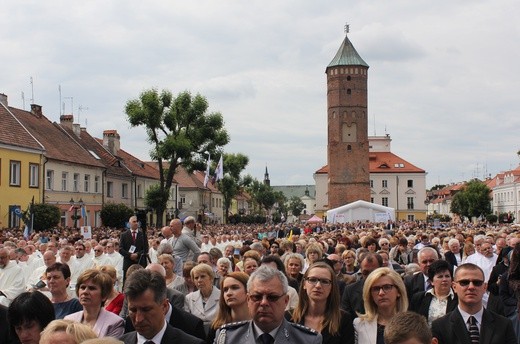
(473, 200)
(156, 198)
(296, 206)
(231, 184)
(115, 215)
(180, 130)
(45, 216)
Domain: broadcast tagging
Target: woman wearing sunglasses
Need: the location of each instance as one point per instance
(384, 296)
(318, 306)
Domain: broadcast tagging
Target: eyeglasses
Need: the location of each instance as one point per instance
(314, 281)
(466, 282)
(384, 243)
(269, 297)
(274, 246)
(98, 250)
(385, 288)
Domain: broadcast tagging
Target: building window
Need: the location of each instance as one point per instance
(139, 191)
(384, 201)
(411, 217)
(49, 179)
(96, 184)
(86, 185)
(385, 183)
(371, 183)
(124, 190)
(183, 199)
(409, 203)
(34, 175)
(64, 180)
(410, 183)
(75, 182)
(14, 173)
(110, 189)
(371, 199)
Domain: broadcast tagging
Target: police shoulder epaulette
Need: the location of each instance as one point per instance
(233, 325)
(304, 329)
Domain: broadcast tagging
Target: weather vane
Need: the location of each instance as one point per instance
(347, 28)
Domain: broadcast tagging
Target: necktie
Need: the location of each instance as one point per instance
(133, 235)
(473, 330)
(266, 338)
(149, 342)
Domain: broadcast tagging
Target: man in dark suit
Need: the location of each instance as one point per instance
(470, 322)
(419, 281)
(133, 246)
(147, 306)
(352, 297)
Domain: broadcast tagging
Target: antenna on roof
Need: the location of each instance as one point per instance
(32, 90)
(59, 91)
(385, 131)
(23, 100)
(80, 108)
(71, 106)
(347, 28)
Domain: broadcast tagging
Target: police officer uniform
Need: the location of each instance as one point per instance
(243, 332)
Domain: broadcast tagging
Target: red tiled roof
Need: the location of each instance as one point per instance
(13, 133)
(384, 162)
(59, 145)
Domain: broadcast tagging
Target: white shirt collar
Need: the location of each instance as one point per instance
(156, 339)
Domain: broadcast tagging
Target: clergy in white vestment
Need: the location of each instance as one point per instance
(12, 280)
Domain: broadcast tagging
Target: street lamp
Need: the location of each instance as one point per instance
(76, 206)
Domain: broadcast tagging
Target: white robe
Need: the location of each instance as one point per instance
(12, 282)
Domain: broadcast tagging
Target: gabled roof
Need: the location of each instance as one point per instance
(93, 146)
(347, 56)
(384, 162)
(137, 166)
(59, 145)
(14, 133)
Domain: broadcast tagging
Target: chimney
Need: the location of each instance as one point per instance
(66, 121)
(3, 99)
(76, 129)
(36, 110)
(111, 141)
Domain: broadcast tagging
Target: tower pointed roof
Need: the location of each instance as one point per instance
(347, 56)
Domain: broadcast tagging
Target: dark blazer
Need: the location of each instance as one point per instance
(495, 329)
(171, 335)
(181, 320)
(352, 298)
(420, 303)
(141, 245)
(345, 334)
(414, 284)
(450, 258)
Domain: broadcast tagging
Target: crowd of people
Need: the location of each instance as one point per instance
(402, 282)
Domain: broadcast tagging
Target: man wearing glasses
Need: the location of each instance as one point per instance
(470, 322)
(267, 298)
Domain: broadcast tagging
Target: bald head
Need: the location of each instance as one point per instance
(176, 227)
(157, 268)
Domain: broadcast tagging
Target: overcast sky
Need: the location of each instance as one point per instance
(444, 75)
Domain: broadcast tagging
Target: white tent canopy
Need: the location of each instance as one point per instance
(360, 211)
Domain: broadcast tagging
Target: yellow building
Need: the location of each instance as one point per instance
(21, 167)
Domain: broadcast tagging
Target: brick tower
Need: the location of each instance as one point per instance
(347, 151)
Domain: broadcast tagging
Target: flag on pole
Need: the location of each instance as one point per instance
(71, 208)
(84, 211)
(18, 212)
(219, 172)
(206, 176)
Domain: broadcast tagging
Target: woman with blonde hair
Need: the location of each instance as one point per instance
(66, 331)
(384, 295)
(93, 288)
(233, 302)
(313, 253)
(168, 262)
(115, 299)
(318, 306)
(204, 302)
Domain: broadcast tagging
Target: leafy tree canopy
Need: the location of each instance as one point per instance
(473, 200)
(180, 130)
(115, 215)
